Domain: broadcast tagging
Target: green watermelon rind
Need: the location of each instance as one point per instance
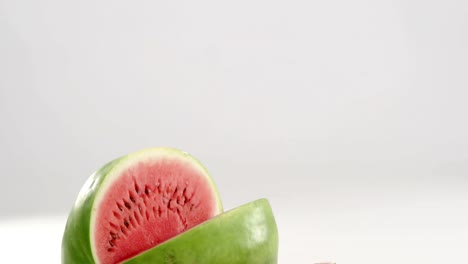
(77, 242)
(247, 234)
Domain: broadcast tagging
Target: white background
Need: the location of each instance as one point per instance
(350, 116)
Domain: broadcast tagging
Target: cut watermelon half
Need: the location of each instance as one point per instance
(136, 202)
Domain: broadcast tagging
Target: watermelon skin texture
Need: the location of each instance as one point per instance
(76, 243)
(245, 235)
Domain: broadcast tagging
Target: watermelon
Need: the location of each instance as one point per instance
(245, 235)
(135, 203)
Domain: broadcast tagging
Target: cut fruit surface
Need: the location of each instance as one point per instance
(247, 234)
(135, 203)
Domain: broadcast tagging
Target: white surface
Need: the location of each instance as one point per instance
(32, 240)
(418, 231)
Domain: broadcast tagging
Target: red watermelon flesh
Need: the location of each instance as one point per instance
(148, 203)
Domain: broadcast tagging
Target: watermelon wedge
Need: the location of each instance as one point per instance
(245, 235)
